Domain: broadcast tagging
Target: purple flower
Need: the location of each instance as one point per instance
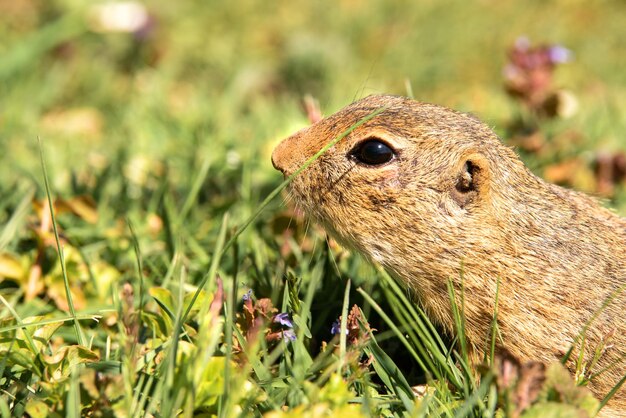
(336, 328)
(558, 54)
(283, 319)
(289, 335)
(247, 296)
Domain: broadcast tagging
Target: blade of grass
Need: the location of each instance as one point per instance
(137, 392)
(390, 374)
(415, 330)
(417, 315)
(303, 359)
(171, 396)
(458, 316)
(344, 328)
(73, 394)
(51, 320)
(11, 227)
(393, 327)
(224, 406)
(68, 294)
(156, 400)
(83, 256)
(609, 367)
(140, 406)
(218, 251)
(20, 324)
(475, 399)
(171, 269)
(492, 401)
(459, 325)
(5, 358)
(595, 315)
(193, 193)
(422, 333)
(494, 325)
(139, 260)
(167, 213)
(262, 372)
(612, 393)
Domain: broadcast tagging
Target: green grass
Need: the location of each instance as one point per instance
(126, 299)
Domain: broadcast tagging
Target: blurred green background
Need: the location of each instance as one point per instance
(202, 78)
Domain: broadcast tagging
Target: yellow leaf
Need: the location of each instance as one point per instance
(10, 267)
(36, 409)
(82, 206)
(56, 291)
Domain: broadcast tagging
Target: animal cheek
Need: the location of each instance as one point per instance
(377, 200)
(449, 207)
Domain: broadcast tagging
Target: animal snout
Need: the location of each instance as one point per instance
(284, 159)
(276, 161)
(291, 153)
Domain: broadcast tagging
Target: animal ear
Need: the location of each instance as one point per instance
(472, 180)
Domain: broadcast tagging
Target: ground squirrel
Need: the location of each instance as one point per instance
(429, 192)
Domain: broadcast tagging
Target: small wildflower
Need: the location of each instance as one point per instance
(247, 296)
(528, 76)
(283, 319)
(336, 327)
(289, 335)
(559, 54)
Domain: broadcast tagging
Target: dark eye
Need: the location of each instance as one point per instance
(373, 152)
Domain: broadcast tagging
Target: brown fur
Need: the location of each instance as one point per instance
(557, 253)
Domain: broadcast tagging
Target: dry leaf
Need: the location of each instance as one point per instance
(563, 172)
(610, 170)
(10, 267)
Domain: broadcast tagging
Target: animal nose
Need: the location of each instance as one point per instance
(290, 153)
(276, 164)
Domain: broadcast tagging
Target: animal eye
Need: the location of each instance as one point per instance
(373, 152)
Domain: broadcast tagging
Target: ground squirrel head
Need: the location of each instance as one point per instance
(415, 166)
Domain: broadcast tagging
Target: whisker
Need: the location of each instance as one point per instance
(291, 218)
(286, 198)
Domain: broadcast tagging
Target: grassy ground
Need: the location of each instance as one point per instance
(157, 146)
